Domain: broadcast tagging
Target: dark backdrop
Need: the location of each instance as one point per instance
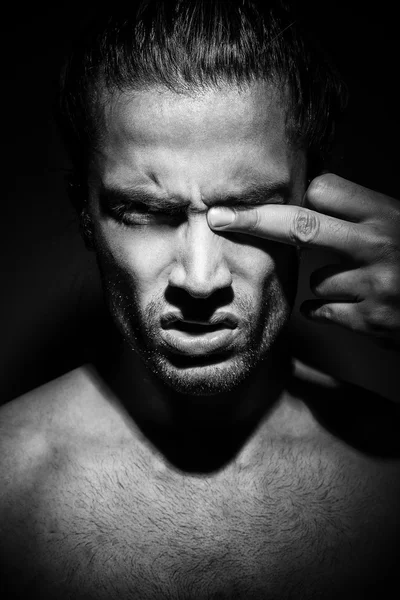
(52, 311)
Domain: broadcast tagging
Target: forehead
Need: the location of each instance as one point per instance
(203, 141)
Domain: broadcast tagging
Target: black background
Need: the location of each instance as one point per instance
(51, 307)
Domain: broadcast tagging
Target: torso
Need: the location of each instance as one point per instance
(315, 518)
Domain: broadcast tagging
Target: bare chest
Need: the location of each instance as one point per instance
(308, 522)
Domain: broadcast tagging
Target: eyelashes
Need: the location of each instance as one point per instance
(142, 215)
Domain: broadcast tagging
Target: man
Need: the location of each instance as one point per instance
(193, 459)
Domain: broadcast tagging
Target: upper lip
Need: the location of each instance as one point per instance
(228, 319)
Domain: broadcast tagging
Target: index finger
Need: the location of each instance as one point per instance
(291, 224)
(339, 197)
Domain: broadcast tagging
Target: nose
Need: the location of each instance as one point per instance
(201, 267)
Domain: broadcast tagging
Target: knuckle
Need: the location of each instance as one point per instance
(378, 319)
(389, 249)
(304, 227)
(385, 283)
(394, 213)
(383, 242)
(255, 220)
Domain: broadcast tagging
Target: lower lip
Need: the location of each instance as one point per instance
(182, 342)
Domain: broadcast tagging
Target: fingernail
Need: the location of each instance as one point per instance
(220, 217)
(306, 310)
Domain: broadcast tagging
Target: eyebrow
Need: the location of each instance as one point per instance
(253, 195)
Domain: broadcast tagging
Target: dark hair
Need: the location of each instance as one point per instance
(187, 45)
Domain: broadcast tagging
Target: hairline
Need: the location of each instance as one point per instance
(107, 94)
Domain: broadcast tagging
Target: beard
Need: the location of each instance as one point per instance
(208, 375)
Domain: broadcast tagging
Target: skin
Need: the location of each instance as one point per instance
(362, 226)
(194, 150)
(125, 483)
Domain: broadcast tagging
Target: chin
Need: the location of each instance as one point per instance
(205, 375)
(209, 376)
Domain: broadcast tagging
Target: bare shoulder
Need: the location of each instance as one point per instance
(35, 426)
(34, 414)
(37, 433)
(70, 403)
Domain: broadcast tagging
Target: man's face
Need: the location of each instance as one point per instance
(164, 160)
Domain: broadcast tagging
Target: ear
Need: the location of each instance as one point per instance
(78, 195)
(86, 227)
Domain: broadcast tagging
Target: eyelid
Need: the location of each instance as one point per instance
(164, 208)
(126, 214)
(180, 209)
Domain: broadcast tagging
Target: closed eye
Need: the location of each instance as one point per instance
(139, 214)
(160, 212)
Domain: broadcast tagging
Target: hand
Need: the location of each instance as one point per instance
(363, 227)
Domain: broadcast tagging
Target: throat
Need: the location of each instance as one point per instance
(195, 433)
(202, 452)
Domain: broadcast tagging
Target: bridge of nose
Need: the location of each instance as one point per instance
(202, 265)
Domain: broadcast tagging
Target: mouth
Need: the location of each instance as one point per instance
(195, 328)
(194, 337)
(218, 320)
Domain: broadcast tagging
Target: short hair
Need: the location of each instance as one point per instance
(191, 45)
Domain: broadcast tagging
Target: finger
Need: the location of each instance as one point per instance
(293, 225)
(336, 283)
(345, 314)
(338, 197)
(351, 315)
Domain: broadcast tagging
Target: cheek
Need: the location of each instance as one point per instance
(286, 267)
(143, 255)
(265, 264)
(252, 267)
(257, 260)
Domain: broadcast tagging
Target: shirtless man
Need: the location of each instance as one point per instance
(193, 460)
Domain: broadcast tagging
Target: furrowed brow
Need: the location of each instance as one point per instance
(113, 195)
(255, 195)
(252, 196)
(277, 192)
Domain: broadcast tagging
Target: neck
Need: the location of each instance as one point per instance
(196, 433)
